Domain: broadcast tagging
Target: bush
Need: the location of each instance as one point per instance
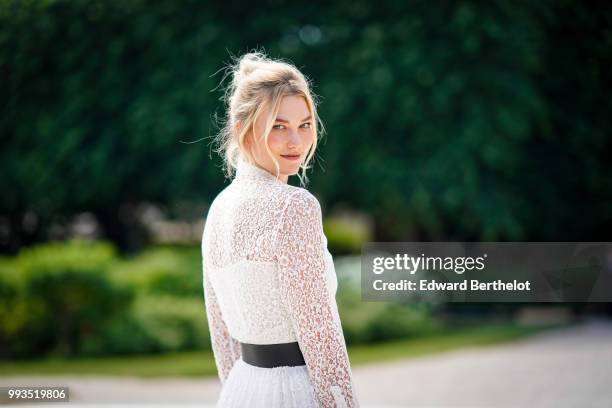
(154, 324)
(398, 321)
(378, 321)
(75, 298)
(13, 313)
(346, 234)
(165, 271)
(63, 294)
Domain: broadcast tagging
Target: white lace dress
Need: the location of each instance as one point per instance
(269, 278)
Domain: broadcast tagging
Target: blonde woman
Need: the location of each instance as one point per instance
(269, 281)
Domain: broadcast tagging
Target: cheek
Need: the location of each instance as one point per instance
(308, 138)
(276, 142)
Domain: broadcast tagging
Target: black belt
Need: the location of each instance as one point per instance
(272, 355)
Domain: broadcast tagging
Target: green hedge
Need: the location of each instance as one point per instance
(62, 295)
(79, 298)
(172, 270)
(369, 322)
(154, 324)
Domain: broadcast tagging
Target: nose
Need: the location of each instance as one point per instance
(294, 139)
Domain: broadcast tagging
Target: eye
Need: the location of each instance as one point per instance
(283, 126)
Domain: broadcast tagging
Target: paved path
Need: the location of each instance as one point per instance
(569, 367)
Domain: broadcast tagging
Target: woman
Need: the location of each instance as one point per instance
(269, 280)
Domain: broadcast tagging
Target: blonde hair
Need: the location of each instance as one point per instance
(259, 83)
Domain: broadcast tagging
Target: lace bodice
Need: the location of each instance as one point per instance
(269, 278)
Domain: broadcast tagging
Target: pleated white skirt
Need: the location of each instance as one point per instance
(249, 386)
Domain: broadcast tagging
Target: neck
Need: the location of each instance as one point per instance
(282, 177)
(255, 171)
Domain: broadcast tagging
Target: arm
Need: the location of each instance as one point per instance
(226, 349)
(314, 313)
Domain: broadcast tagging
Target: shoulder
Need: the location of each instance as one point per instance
(218, 203)
(214, 203)
(301, 202)
(301, 222)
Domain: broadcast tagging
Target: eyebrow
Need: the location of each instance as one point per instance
(286, 121)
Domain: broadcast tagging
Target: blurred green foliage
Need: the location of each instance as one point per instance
(163, 270)
(80, 298)
(464, 120)
(345, 234)
(153, 324)
(370, 322)
(59, 295)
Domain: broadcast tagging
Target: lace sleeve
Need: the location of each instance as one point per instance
(314, 313)
(226, 349)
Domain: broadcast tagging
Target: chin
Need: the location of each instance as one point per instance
(294, 170)
(289, 168)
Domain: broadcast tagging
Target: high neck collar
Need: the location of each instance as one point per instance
(247, 171)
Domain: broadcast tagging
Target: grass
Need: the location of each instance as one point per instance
(201, 363)
(185, 363)
(476, 336)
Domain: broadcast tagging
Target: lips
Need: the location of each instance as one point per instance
(291, 156)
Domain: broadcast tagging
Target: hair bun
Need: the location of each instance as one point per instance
(250, 62)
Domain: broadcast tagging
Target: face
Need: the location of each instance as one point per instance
(290, 138)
